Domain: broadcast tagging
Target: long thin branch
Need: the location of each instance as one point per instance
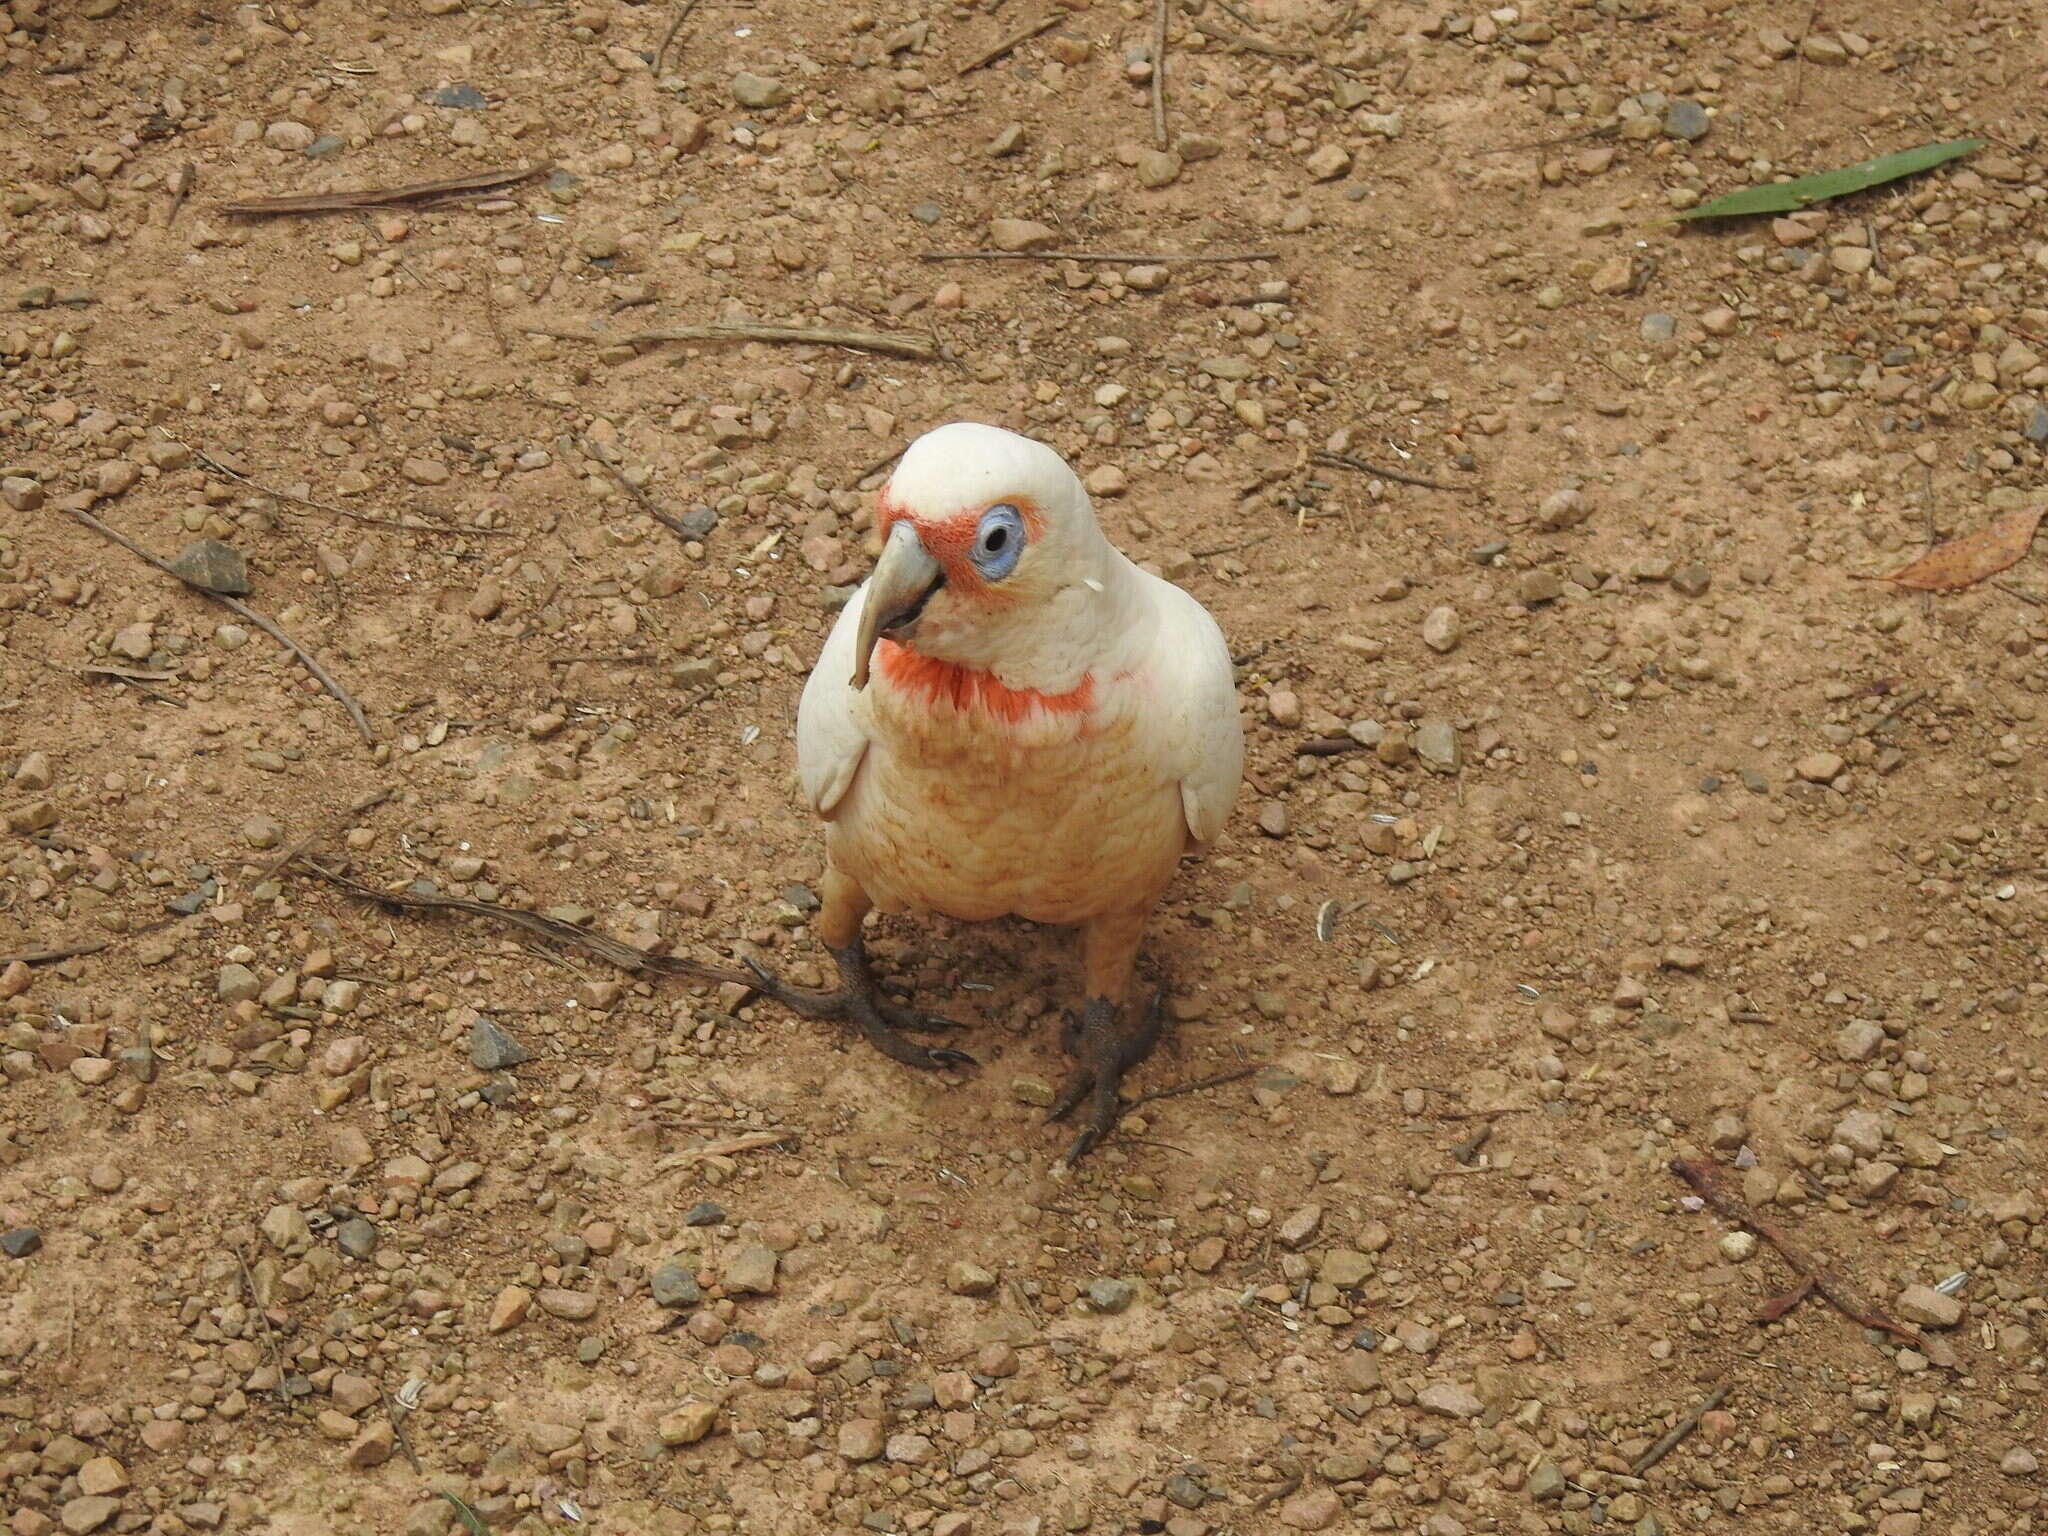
(1706, 1183)
(1678, 1432)
(1175, 1090)
(890, 344)
(1159, 72)
(349, 200)
(1347, 461)
(1122, 259)
(362, 804)
(682, 15)
(668, 520)
(551, 929)
(236, 606)
(418, 525)
(1015, 39)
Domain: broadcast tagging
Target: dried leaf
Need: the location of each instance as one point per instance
(1783, 1303)
(1804, 191)
(1975, 556)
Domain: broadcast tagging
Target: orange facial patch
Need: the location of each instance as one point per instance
(949, 538)
(947, 683)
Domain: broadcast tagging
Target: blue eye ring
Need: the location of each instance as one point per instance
(998, 541)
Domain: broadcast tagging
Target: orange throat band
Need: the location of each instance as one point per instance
(936, 682)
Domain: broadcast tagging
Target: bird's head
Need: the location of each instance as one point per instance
(988, 541)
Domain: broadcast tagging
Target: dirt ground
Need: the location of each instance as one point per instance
(1639, 827)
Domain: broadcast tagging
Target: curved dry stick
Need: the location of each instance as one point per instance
(1704, 1177)
(237, 606)
(682, 15)
(624, 956)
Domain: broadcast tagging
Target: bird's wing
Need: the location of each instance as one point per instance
(831, 734)
(1197, 689)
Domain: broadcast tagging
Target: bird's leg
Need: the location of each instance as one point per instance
(858, 1000)
(1103, 1044)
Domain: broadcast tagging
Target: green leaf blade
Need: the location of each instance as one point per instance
(470, 1520)
(1805, 191)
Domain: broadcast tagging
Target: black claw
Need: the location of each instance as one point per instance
(1082, 1145)
(1102, 1055)
(859, 1002)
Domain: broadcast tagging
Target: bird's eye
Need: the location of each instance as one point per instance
(999, 541)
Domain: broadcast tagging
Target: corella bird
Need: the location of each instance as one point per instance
(1011, 719)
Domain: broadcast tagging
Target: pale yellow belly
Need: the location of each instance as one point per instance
(1060, 834)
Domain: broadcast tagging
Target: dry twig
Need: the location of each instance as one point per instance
(1122, 259)
(752, 1141)
(1679, 1431)
(1197, 1086)
(682, 15)
(1250, 44)
(551, 929)
(1277, 1492)
(61, 952)
(914, 348)
(182, 182)
(1347, 461)
(1159, 73)
(362, 804)
(1799, 54)
(398, 1429)
(646, 504)
(1015, 39)
(348, 201)
(269, 1330)
(1328, 746)
(1783, 1303)
(1705, 1180)
(414, 525)
(236, 606)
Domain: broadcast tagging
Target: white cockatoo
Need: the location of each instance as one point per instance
(1011, 719)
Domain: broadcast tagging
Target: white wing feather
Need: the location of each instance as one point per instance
(831, 733)
(1197, 694)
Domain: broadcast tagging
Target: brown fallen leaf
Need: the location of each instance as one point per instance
(1972, 558)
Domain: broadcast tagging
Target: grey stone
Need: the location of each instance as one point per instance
(1111, 1296)
(237, 984)
(213, 565)
(751, 1271)
(1449, 1398)
(464, 96)
(705, 1213)
(356, 1237)
(492, 1050)
(673, 1285)
(1686, 119)
(21, 1242)
(2037, 425)
(1658, 328)
(1436, 744)
(751, 90)
(1924, 1305)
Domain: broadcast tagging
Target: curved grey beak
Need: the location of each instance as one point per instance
(905, 578)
